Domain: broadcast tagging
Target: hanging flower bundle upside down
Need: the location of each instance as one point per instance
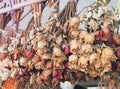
(84, 46)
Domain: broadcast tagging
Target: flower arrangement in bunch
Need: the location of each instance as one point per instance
(67, 48)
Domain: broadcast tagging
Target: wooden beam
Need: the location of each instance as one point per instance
(20, 5)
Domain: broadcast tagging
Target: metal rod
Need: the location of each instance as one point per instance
(20, 5)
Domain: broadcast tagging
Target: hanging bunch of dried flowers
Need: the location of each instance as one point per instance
(71, 49)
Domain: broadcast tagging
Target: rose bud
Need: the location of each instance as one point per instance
(106, 34)
(98, 35)
(118, 53)
(43, 60)
(15, 57)
(49, 65)
(24, 70)
(103, 35)
(116, 39)
(38, 80)
(28, 55)
(106, 31)
(67, 50)
(55, 82)
(55, 72)
(35, 59)
(47, 82)
(59, 75)
(2, 56)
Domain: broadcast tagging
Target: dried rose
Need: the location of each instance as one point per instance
(74, 33)
(55, 82)
(39, 65)
(46, 56)
(85, 49)
(118, 53)
(35, 59)
(83, 34)
(93, 57)
(47, 82)
(23, 61)
(93, 24)
(67, 50)
(46, 74)
(83, 63)
(103, 35)
(16, 50)
(108, 54)
(38, 80)
(15, 56)
(28, 55)
(72, 64)
(116, 38)
(74, 22)
(2, 56)
(73, 59)
(106, 31)
(49, 65)
(24, 69)
(55, 72)
(43, 60)
(89, 38)
(74, 45)
(59, 75)
(57, 51)
(42, 44)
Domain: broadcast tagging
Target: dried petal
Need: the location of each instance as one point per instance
(35, 59)
(93, 24)
(55, 72)
(23, 61)
(74, 22)
(82, 63)
(74, 33)
(67, 50)
(83, 34)
(57, 51)
(74, 45)
(39, 65)
(93, 58)
(42, 44)
(108, 54)
(59, 39)
(89, 38)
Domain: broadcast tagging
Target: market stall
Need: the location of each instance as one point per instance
(69, 47)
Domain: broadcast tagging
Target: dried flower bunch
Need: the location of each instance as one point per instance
(84, 46)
